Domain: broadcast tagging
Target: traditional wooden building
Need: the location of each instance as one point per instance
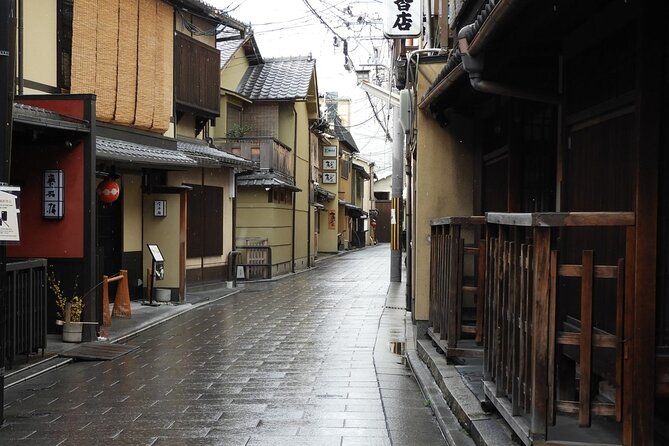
(124, 92)
(270, 105)
(544, 125)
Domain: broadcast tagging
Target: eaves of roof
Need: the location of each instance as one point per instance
(204, 151)
(141, 154)
(266, 181)
(207, 11)
(489, 18)
(362, 172)
(36, 116)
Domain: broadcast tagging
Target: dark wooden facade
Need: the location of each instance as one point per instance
(196, 76)
(576, 299)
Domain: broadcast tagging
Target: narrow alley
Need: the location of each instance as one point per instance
(311, 359)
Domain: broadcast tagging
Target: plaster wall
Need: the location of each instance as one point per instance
(40, 42)
(131, 190)
(443, 187)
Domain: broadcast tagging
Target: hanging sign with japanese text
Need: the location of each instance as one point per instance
(53, 187)
(403, 18)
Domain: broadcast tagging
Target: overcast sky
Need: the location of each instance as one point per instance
(286, 28)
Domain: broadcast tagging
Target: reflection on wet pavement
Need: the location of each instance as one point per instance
(300, 361)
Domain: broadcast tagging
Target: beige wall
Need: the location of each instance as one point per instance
(443, 187)
(258, 218)
(234, 70)
(304, 228)
(327, 239)
(131, 188)
(163, 231)
(39, 43)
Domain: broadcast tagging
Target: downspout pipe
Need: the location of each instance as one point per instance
(292, 254)
(474, 65)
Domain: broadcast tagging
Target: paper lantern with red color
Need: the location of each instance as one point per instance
(108, 191)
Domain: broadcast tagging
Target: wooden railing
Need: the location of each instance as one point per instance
(26, 311)
(539, 355)
(269, 153)
(456, 285)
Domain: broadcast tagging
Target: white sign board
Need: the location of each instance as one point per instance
(403, 18)
(9, 222)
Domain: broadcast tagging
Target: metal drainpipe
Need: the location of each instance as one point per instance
(310, 194)
(473, 65)
(292, 262)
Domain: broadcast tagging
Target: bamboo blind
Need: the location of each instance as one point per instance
(146, 64)
(127, 62)
(84, 50)
(107, 59)
(122, 51)
(164, 67)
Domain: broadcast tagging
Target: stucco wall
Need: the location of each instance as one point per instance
(163, 231)
(131, 188)
(258, 218)
(39, 42)
(443, 187)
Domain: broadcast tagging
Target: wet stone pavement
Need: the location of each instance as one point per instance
(306, 360)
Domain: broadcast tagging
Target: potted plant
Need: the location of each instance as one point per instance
(70, 308)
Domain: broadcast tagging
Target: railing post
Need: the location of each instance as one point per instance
(540, 316)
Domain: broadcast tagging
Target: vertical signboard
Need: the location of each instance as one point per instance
(403, 18)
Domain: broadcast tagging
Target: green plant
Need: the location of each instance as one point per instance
(238, 131)
(75, 301)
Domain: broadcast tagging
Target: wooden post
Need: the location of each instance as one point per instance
(538, 414)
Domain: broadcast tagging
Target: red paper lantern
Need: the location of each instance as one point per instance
(108, 191)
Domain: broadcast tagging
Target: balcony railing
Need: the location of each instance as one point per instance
(269, 153)
(456, 285)
(554, 316)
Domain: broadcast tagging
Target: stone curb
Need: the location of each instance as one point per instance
(448, 423)
(486, 429)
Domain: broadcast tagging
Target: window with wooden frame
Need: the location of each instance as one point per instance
(255, 154)
(343, 168)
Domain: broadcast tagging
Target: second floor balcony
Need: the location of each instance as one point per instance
(269, 154)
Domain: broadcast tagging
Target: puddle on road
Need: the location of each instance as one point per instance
(397, 347)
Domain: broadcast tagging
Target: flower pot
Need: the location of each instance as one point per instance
(72, 331)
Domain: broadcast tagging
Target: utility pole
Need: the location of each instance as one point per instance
(397, 185)
(7, 87)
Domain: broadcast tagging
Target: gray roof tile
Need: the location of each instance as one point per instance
(141, 154)
(278, 79)
(202, 149)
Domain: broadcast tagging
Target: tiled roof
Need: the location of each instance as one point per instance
(203, 150)
(141, 154)
(28, 114)
(229, 47)
(343, 134)
(278, 79)
(266, 180)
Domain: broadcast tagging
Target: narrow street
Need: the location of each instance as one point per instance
(306, 360)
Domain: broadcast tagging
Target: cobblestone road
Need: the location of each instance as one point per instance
(305, 360)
